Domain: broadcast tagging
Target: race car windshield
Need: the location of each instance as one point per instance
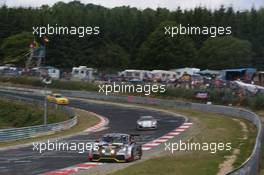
(57, 96)
(110, 139)
(146, 118)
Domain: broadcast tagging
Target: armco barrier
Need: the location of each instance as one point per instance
(11, 134)
(34, 131)
(250, 167)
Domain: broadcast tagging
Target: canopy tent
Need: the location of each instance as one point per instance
(244, 74)
(209, 72)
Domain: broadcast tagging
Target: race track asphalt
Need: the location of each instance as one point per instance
(25, 161)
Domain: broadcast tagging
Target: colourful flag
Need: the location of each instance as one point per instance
(46, 40)
(39, 52)
(34, 45)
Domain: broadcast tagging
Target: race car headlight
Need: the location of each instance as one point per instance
(112, 151)
(95, 147)
(140, 123)
(154, 122)
(103, 151)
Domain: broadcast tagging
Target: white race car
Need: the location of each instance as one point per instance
(117, 147)
(147, 122)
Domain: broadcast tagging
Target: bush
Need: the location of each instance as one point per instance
(257, 102)
(16, 114)
(73, 85)
(222, 96)
(22, 81)
(57, 84)
(179, 93)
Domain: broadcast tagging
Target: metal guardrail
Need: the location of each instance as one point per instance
(250, 167)
(12, 134)
(35, 131)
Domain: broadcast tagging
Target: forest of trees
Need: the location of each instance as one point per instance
(132, 38)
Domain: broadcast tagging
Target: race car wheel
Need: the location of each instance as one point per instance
(90, 158)
(132, 158)
(140, 153)
(132, 155)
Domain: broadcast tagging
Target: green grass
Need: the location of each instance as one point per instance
(172, 165)
(85, 120)
(17, 114)
(209, 128)
(57, 84)
(214, 128)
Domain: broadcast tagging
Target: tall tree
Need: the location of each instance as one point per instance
(16, 48)
(130, 30)
(161, 51)
(225, 52)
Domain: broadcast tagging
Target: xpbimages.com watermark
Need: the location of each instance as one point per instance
(146, 89)
(212, 147)
(80, 147)
(212, 31)
(80, 31)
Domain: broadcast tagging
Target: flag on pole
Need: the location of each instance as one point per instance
(39, 52)
(34, 45)
(45, 39)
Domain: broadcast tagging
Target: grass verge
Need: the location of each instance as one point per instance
(85, 120)
(210, 128)
(17, 114)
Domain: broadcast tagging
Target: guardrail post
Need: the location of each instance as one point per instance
(45, 107)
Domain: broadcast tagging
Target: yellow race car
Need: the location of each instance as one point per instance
(58, 99)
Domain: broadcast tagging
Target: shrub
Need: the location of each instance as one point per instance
(179, 93)
(257, 102)
(16, 114)
(57, 84)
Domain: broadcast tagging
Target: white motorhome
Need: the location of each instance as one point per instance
(187, 70)
(163, 75)
(135, 74)
(52, 72)
(2, 68)
(83, 73)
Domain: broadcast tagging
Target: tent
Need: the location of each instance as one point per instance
(244, 74)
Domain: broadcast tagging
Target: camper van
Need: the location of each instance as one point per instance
(83, 73)
(186, 70)
(131, 74)
(163, 75)
(53, 72)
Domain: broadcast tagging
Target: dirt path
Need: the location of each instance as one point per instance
(227, 165)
